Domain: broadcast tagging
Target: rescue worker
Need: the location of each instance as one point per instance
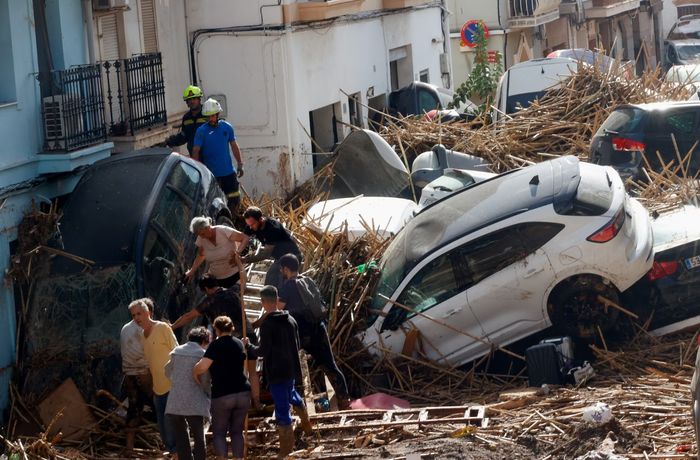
(191, 120)
(211, 146)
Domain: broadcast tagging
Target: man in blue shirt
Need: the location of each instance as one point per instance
(211, 146)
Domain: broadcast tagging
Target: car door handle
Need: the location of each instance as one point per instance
(533, 271)
(451, 312)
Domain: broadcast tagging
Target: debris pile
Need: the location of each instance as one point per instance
(562, 122)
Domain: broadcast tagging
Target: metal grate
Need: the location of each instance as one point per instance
(73, 110)
(135, 93)
(146, 91)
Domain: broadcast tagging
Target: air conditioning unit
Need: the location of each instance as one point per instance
(63, 118)
(102, 5)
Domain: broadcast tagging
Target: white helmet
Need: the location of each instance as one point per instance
(211, 107)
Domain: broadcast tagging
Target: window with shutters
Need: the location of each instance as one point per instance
(108, 37)
(148, 26)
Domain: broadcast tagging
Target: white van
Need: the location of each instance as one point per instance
(524, 82)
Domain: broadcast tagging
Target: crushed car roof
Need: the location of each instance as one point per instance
(487, 202)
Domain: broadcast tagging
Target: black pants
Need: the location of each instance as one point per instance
(229, 184)
(139, 391)
(318, 345)
(230, 281)
(182, 438)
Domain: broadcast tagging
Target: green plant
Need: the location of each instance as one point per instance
(483, 79)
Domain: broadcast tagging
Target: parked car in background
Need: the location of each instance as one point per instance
(634, 132)
(604, 62)
(670, 293)
(686, 75)
(527, 81)
(681, 52)
(129, 215)
(508, 257)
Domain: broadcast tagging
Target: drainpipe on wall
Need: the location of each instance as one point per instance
(90, 30)
(291, 108)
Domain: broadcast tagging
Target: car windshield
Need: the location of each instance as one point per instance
(74, 316)
(625, 120)
(688, 52)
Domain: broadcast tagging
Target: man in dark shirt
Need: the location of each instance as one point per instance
(225, 302)
(313, 335)
(191, 120)
(279, 349)
(276, 240)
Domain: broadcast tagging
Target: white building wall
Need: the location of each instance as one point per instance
(272, 80)
(173, 44)
(669, 16)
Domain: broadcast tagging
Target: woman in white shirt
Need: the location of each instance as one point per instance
(218, 246)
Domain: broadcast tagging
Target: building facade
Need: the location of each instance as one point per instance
(79, 81)
(521, 30)
(44, 74)
(293, 76)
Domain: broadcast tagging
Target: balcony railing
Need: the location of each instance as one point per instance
(72, 108)
(531, 13)
(135, 93)
(82, 105)
(609, 8)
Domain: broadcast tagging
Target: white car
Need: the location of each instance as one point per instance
(509, 257)
(451, 181)
(385, 215)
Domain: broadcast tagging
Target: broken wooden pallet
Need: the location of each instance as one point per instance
(377, 418)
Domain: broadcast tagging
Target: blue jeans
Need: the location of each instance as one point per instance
(285, 396)
(165, 426)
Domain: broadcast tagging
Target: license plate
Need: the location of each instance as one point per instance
(692, 262)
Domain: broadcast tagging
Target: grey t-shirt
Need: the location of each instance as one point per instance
(131, 341)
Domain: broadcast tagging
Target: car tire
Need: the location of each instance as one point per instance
(574, 308)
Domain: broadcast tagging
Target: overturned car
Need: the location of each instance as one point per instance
(129, 215)
(510, 256)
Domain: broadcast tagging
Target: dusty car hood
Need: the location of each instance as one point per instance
(367, 165)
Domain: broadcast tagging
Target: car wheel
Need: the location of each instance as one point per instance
(575, 307)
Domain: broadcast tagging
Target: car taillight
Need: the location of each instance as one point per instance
(627, 145)
(662, 269)
(610, 230)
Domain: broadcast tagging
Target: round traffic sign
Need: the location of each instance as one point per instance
(469, 30)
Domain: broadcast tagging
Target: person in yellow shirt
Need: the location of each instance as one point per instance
(158, 342)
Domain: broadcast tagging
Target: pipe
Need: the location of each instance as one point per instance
(90, 29)
(246, 28)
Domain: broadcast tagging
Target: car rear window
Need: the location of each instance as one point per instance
(517, 102)
(626, 120)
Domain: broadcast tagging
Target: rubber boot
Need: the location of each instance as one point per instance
(303, 415)
(286, 434)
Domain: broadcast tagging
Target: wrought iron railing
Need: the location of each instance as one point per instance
(134, 93)
(72, 107)
(82, 105)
